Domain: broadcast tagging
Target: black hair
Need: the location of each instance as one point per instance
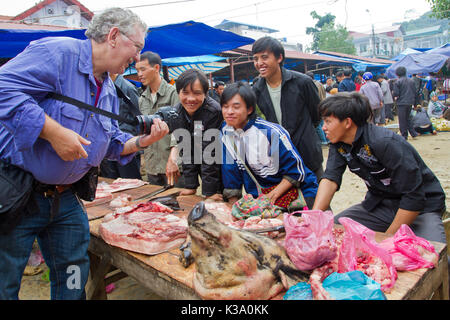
(152, 58)
(269, 44)
(218, 84)
(310, 74)
(400, 71)
(347, 72)
(379, 76)
(345, 105)
(245, 91)
(188, 77)
(339, 74)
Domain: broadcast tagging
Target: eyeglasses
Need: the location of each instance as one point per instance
(138, 46)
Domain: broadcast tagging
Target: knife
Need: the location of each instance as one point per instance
(277, 228)
(154, 193)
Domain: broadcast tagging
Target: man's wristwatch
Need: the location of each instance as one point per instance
(137, 143)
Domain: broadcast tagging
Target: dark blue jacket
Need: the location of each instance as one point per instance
(346, 85)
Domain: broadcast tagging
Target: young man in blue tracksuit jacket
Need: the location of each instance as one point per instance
(265, 147)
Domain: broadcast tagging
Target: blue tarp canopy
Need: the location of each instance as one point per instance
(404, 53)
(419, 63)
(175, 40)
(357, 65)
(205, 63)
(445, 50)
(179, 61)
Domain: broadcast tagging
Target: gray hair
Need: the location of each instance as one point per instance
(124, 19)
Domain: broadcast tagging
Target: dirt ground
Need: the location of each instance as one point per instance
(435, 151)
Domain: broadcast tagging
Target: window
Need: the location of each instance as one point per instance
(50, 11)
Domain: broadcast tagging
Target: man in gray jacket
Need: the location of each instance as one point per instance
(128, 110)
(158, 93)
(405, 95)
(387, 98)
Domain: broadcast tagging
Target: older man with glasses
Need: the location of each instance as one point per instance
(60, 144)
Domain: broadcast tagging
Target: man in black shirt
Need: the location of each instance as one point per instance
(401, 188)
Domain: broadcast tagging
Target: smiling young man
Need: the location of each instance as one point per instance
(288, 98)
(269, 154)
(159, 166)
(200, 113)
(401, 188)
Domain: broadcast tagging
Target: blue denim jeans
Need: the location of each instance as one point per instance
(63, 241)
(321, 134)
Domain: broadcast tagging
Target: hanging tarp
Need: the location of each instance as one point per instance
(205, 63)
(420, 63)
(357, 65)
(175, 40)
(179, 61)
(207, 68)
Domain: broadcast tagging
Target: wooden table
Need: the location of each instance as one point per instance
(165, 276)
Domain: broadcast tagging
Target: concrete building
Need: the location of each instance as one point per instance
(431, 37)
(64, 13)
(383, 43)
(256, 32)
(388, 42)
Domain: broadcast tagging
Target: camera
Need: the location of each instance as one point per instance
(167, 114)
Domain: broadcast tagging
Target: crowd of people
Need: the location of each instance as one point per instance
(267, 133)
(402, 96)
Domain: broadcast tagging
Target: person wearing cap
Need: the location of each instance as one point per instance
(216, 92)
(372, 91)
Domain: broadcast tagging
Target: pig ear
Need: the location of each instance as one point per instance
(197, 212)
(284, 280)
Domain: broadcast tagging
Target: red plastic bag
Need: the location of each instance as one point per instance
(410, 252)
(310, 243)
(360, 251)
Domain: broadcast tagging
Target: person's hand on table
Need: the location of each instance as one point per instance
(215, 197)
(172, 172)
(187, 192)
(273, 196)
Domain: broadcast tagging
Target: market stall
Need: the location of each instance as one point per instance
(165, 275)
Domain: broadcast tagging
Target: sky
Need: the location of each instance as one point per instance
(290, 17)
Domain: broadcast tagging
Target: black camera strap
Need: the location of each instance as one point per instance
(82, 105)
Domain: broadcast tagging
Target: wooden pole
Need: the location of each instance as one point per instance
(231, 70)
(166, 73)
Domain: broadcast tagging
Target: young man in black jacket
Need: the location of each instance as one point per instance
(200, 114)
(288, 98)
(406, 96)
(401, 188)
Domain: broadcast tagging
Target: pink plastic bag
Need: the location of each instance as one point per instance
(360, 251)
(410, 252)
(310, 243)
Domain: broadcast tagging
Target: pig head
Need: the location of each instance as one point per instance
(235, 264)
